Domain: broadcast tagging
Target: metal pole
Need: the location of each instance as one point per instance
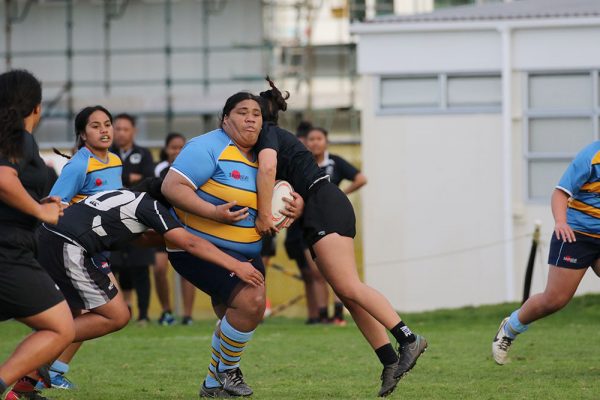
(69, 69)
(8, 34)
(107, 16)
(205, 43)
(168, 72)
(531, 261)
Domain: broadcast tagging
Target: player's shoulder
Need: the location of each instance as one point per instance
(214, 140)
(591, 152)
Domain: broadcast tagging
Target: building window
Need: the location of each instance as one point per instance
(561, 116)
(440, 93)
(384, 7)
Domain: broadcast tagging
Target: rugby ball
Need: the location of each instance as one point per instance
(282, 190)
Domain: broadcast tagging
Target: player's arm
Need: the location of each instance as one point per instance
(70, 181)
(559, 204)
(181, 193)
(207, 251)
(265, 181)
(14, 194)
(359, 181)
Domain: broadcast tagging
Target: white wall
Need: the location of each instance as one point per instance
(434, 187)
(433, 207)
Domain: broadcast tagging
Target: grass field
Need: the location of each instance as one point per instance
(557, 359)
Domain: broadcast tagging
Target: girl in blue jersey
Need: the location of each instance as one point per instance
(212, 186)
(574, 247)
(329, 229)
(92, 169)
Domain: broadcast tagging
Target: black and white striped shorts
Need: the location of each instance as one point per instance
(84, 286)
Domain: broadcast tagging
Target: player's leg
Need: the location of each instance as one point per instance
(141, 282)
(335, 258)
(161, 282)
(188, 294)
(53, 332)
(244, 313)
(560, 288)
(320, 289)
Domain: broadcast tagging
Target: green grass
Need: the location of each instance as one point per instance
(556, 359)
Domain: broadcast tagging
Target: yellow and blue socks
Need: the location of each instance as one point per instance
(211, 379)
(403, 334)
(514, 327)
(233, 343)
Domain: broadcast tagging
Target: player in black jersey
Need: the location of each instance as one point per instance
(26, 291)
(329, 230)
(106, 221)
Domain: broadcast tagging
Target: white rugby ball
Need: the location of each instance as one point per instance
(282, 189)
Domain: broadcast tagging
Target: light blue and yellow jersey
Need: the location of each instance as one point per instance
(85, 175)
(581, 181)
(220, 173)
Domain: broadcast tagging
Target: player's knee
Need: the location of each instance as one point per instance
(255, 306)
(348, 292)
(65, 333)
(120, 320)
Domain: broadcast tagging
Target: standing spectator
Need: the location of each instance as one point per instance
(132, 263)
(174, 142)
(338, 170)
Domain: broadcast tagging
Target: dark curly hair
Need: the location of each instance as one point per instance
(273, 101)
(20, 94)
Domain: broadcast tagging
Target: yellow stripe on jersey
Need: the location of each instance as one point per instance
(232, 153)
(96, 165)
(591, 187)
(589, 210)
(589, 234)
(222, 231)
(244, 198)
(77, 198)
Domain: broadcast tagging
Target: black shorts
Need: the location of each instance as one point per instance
(213, 280)
(576, 255)
(84, 286)
(327, 210)
(268, 246)
(25, 288)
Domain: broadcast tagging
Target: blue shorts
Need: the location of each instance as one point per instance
(576, 255)
(213, 280)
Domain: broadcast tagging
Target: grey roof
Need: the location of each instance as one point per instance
(524, 9)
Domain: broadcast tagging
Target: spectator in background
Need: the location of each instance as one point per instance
(314, 284)
(338, 170)
(174, 142)
(132, 263)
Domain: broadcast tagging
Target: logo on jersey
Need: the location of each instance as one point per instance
(99, 182)
(135, 158)
(570, 259)
(235, 174)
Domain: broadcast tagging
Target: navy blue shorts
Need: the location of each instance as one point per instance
(213, 280)
(576, 255)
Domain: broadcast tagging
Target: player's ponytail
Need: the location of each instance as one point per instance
(273, 101)
(58, 152)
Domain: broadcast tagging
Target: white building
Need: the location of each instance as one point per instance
(470, 115)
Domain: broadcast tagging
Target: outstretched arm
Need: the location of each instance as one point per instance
(207, 251)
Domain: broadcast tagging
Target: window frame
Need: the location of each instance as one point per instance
(593, 113)
(442, 106)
